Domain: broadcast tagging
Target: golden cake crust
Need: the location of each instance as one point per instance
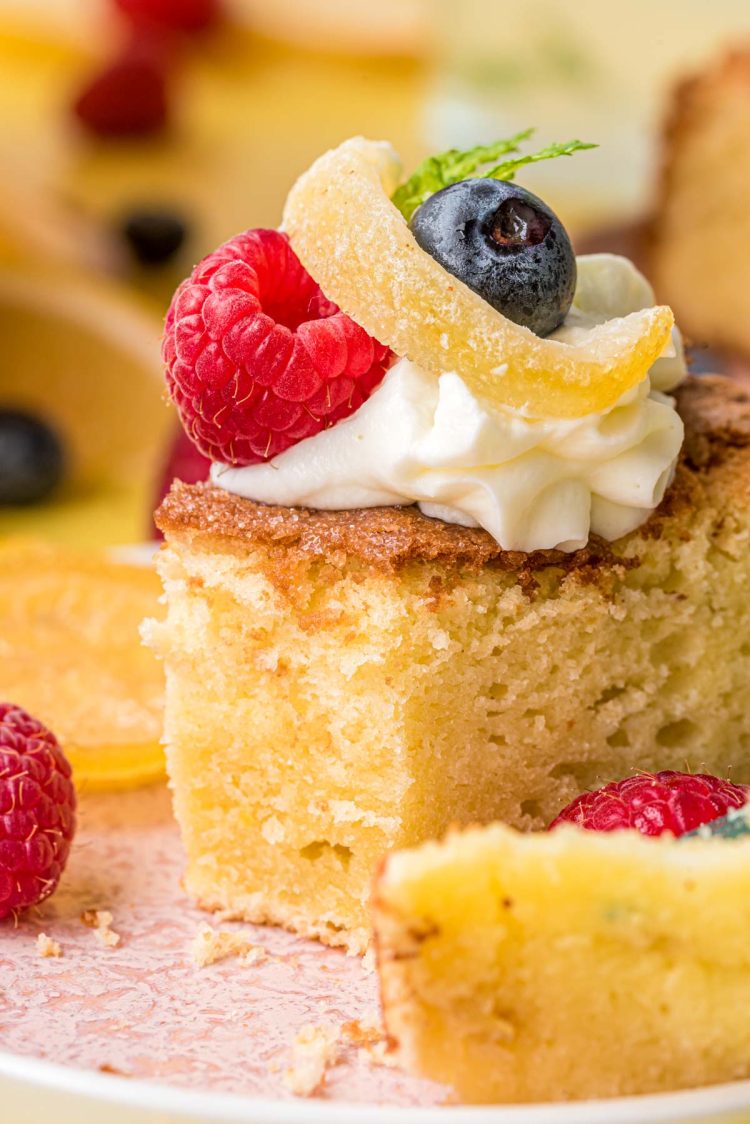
(385, 538)
(716, 411)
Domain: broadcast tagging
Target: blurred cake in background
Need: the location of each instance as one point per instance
(386, 28)
(229, 116)
(81, 375)
(245, 112)
(698, 235)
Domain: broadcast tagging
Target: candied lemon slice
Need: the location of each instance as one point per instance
(70, 653)
(358, 247)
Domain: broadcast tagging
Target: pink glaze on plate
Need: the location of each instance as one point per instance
(144, 1009)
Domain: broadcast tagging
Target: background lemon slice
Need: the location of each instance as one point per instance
(358, 247)
(71, 654)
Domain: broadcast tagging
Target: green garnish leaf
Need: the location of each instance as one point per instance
(455, 165)
(449, 167)
(734, 825)
(508, 168)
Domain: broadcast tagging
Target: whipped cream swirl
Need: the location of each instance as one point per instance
(532, 483)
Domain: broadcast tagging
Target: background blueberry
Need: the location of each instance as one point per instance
(154, 235)
(32, 459)
(506, 245)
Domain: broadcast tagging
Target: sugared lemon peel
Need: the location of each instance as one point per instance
(358, 247)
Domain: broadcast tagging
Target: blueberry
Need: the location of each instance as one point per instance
(506, 245)
(32, 460)
(154, 235)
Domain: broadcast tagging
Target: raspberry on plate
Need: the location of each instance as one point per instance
(257, 358)
(37, 810)
(653, 803)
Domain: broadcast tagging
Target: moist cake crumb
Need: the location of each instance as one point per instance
(369, 1035)
(100, 920)
(315, 1051)
(211, 945)
(46, 947)
(378, 1054)
(365, 1031)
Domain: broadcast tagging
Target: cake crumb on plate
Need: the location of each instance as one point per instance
(369, 1035)
(100, 920)
(315, 1050)
(378, 1053)
(46, 947)
(211, 945)
(365, 1031)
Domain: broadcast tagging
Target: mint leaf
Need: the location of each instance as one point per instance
(455, 165)
(508, 168)
(449, 167)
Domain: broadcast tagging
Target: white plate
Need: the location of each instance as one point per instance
(37, 1092)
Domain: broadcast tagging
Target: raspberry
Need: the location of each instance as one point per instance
(37, 810)
(129, 97)
(177, 15)
(257, 358)
(653, 803)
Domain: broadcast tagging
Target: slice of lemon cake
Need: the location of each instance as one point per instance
(339, 684)
(433, 579)
(567, 965)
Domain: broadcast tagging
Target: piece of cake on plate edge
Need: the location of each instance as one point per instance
(567, 965)
(452, 566)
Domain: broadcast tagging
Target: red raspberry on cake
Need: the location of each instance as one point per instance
(37, 810)
(257, 358)
(654, 803)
